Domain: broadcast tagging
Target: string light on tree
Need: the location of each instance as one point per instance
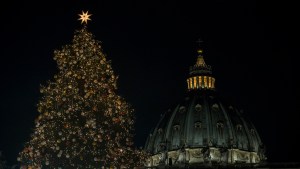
(82, 123)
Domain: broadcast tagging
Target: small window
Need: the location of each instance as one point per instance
(198, 125)
(182, 109)
(215, 107)
(198, 108)
(176, 127)
(238, 127)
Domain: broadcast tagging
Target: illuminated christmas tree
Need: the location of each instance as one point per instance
(82, 123)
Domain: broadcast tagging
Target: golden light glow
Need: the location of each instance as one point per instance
(198, 82)
(195, 82)
(84, 17)
(80, 113)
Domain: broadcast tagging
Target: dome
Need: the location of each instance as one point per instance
(203, 128)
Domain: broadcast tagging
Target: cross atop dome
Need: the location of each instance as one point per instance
(200, 50)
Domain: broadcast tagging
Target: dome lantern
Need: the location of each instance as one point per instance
(200, 76)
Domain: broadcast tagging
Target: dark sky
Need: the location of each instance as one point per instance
(151, 44)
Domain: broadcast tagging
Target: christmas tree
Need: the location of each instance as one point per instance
(82, 123)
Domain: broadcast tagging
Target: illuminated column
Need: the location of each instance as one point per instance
(200, 81)
(205, 81)
(188, 83)
(209, 82)
(197, 82)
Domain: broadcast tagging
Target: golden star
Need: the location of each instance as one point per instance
(84, 17)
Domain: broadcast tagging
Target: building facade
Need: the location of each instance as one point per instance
(204, 129)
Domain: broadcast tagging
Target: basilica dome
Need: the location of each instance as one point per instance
(203, 128)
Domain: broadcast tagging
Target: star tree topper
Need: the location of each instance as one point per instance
(84, 17)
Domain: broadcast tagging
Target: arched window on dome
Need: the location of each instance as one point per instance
(220, 127)
(238, 127)
(175, 138)
(197, 133)
(160, 131)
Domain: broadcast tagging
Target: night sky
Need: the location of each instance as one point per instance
(151, 45)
